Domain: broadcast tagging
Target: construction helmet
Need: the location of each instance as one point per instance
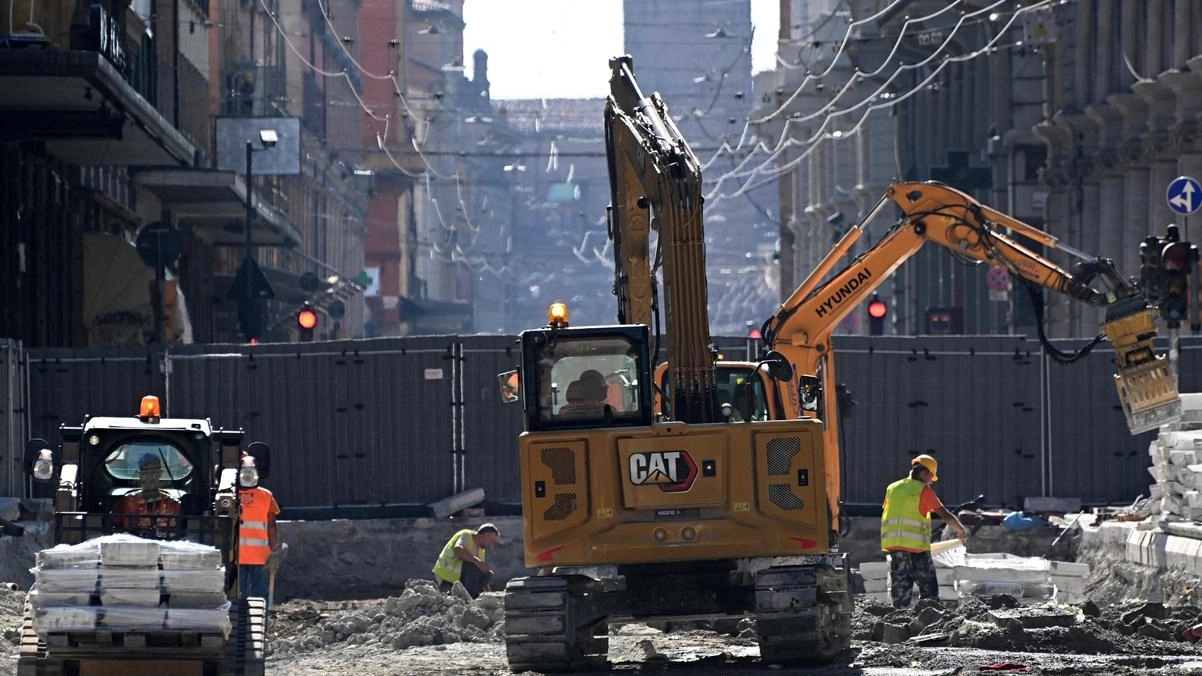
(931, 464)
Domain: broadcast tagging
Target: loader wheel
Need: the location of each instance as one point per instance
(803, 614)
(552, 624)
(245, 650)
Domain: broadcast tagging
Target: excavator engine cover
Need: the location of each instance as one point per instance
(1146, 385)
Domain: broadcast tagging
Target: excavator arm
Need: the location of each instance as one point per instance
(800, 331)
(655, 180)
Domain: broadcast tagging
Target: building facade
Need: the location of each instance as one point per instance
(109, 116)
(1073, 117)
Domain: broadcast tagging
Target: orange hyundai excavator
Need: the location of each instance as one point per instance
(634, 510)
(799, 334)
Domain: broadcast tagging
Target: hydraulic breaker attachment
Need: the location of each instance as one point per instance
(1147, 386)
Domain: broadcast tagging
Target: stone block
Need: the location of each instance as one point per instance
(876, 586)
(1033, 618)
(1155, 491)
(1069, 568)
(1069, 585)
(1158, 472)
(874, 570)
(1156, 548)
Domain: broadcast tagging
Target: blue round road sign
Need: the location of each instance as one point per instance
(1184, 195)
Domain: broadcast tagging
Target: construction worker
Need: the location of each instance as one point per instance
(150, 500)
(258, 535)
(906, 530)
(470, 547)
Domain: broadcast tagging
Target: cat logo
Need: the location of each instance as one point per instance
(672, 471)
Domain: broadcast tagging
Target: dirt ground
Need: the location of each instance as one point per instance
(423, 633)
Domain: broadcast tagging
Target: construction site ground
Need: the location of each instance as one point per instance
(411, 629)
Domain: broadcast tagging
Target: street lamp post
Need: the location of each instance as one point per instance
(249, 308)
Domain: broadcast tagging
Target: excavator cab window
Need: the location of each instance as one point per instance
(586, 379)
(738, 385)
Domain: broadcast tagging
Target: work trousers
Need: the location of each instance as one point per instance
(471, 578)
(252, 581)
(908, 568)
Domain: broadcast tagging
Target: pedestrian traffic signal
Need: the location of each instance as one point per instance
(878, 310)
(306, 321)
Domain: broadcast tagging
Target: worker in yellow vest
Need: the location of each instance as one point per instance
(906, 531)
(258, 534)
(462, 559)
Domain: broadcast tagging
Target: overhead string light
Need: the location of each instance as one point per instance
(815, 140)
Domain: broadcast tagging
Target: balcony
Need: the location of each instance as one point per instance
(84, 82)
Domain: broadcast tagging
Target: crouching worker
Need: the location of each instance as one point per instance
(462, 560)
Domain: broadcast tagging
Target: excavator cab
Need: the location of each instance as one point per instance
(585, 377)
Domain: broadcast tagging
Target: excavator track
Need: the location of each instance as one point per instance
(246, 648)
(803, 613)
(552, 625)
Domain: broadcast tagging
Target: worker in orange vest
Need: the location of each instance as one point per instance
(258, 535)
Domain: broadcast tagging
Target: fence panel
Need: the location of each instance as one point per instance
(12, 418)
(349, 422)
(67, 384)
(491, 428)
(381, 421)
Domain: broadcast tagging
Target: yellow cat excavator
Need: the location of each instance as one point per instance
(696, 507)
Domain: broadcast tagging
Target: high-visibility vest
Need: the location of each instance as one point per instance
(903, 526)
(448, 567)
(257, 508)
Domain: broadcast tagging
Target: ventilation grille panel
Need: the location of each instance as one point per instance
(781, 452)
(562, 463)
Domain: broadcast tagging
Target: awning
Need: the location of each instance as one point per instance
(85, 111)
(433, 315)
(213, 203)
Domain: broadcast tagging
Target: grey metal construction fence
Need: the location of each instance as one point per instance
(411, 420)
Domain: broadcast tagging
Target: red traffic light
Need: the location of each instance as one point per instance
(306, 319)
(877, 309)
(1177, 256)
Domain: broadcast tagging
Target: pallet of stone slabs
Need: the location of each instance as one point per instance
(548, 626)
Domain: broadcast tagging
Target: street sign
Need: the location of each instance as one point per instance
(258, 287)
(158, 244)
(1185, 195)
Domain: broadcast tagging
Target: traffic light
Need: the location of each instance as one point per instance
(878, 310)
(1178, 261)
(306, 321)
(1165, 266)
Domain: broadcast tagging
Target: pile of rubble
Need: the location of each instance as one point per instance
(421, 615)
(1002, 623)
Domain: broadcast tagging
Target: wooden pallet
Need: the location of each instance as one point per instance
(175, 644)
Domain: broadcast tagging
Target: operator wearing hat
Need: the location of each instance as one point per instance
(149, 511)
(906, 530)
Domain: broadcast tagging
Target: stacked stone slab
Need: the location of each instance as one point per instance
(1029, 579)
(123, 583)
(1177, 466)
(878, 581)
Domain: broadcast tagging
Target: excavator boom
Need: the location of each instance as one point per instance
(655, 181)
(800, 331)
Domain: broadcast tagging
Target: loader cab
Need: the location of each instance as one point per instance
(587, 377)
(101, 462)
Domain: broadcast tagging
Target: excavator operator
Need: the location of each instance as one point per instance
(147, 512)
(906, 531)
